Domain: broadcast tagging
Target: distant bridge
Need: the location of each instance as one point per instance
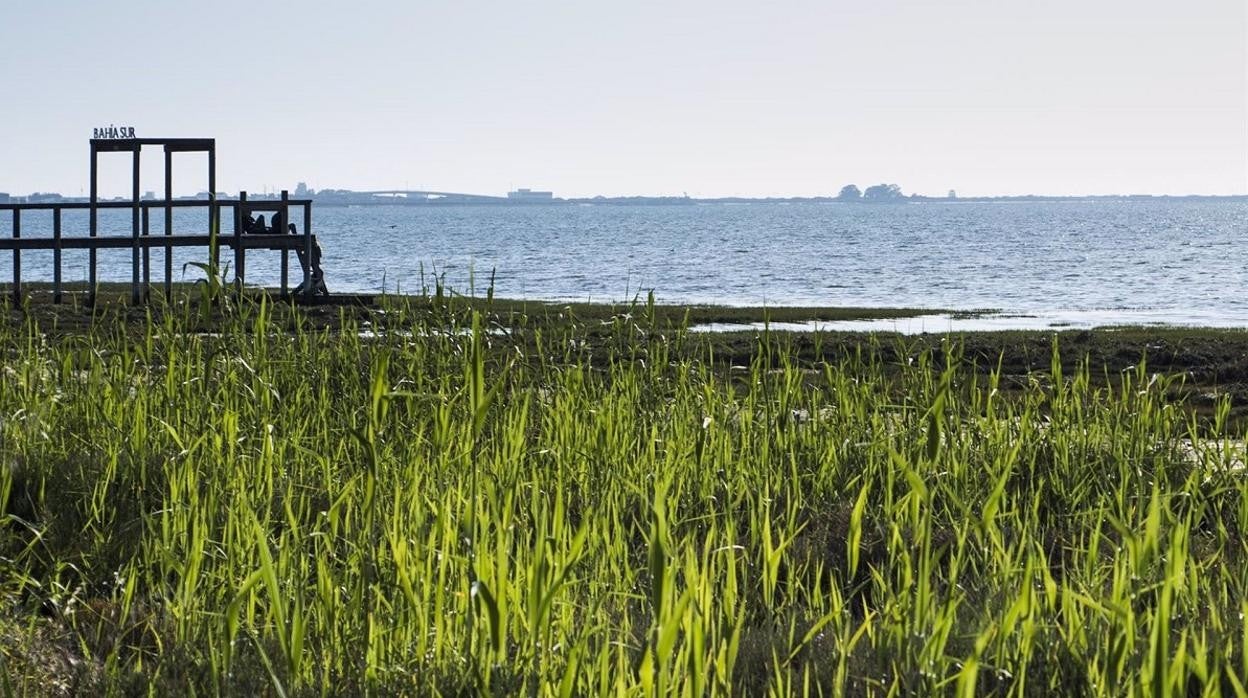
(430, 195)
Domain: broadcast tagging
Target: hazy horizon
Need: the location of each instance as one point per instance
(709, 99)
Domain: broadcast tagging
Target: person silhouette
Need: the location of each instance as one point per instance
(316, 275)
(254, 225)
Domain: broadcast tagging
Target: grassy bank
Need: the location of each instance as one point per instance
(457, 497)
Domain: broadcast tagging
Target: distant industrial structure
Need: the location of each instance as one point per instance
(530, 196)
(4, 197)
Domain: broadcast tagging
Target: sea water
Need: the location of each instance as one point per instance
(1172, 261)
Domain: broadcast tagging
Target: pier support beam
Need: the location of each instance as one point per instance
(17, 258)
(135, 294)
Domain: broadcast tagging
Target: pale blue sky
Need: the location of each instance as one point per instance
(710, 98)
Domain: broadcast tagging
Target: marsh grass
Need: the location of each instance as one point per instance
(590, 508)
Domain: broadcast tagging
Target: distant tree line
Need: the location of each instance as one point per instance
(875, 193)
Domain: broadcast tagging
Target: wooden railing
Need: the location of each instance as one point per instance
(141, 240)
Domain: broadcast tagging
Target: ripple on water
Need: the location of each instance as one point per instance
(1180, 259)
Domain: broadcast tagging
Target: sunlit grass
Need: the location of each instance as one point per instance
(443, 506)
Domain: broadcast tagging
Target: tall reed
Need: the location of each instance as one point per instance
(454, 501)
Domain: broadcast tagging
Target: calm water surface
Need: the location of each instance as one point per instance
(1155, 261)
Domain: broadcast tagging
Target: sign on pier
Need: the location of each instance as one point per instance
(111, 132)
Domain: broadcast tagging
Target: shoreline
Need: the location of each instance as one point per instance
(1212, 361)
(1207, 355)
(696, 317)
(715, 318)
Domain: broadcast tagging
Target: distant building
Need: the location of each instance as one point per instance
(149, 196)
(528, 195)
(952, 194)
(302, 191)
(4, 197)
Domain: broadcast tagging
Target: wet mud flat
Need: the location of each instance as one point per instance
(1211, 363)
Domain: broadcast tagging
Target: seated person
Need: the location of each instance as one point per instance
(254, 225)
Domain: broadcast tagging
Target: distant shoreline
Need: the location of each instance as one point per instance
(346, 198)
(690, 201)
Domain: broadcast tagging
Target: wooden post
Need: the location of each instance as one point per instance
(135, 261)
(17, 257)
(214, 213)
(281, 227)
(56, 255)
(169, 222)
(214, 216)
(240, 212)
(308, 291)
(214, 234)
(147, 253)
(94, 228)
(285, 273)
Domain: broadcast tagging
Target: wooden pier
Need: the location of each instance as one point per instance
(141, 240)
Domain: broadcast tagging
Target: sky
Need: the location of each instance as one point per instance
(708, 98)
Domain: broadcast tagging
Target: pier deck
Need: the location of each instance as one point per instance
(142, 239)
